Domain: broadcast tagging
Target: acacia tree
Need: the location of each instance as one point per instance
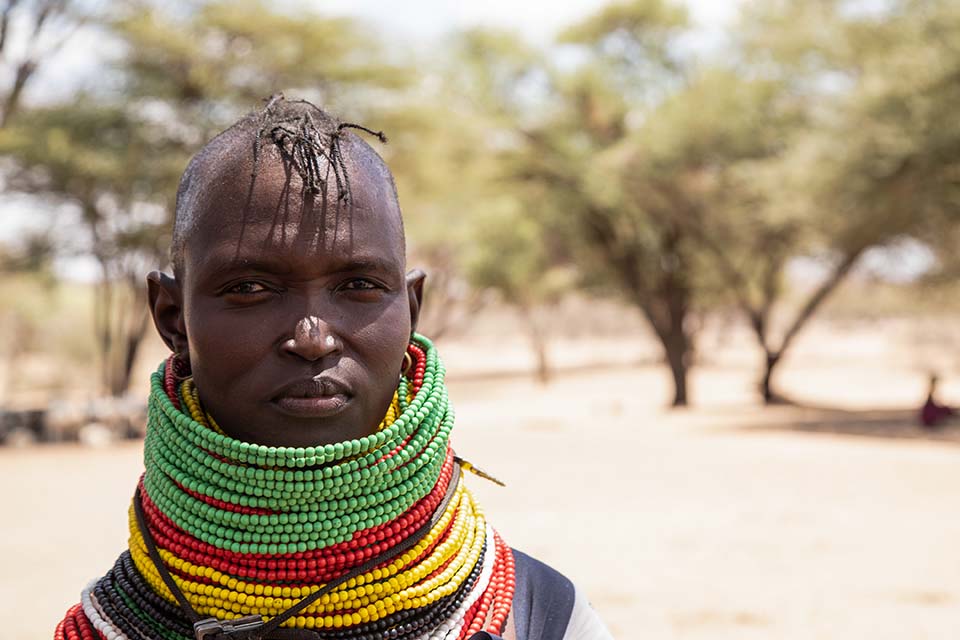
(464, 218)
(207, 65)
(606, 194)
(102, 162)
(509, 255)
(874, 162)
(640, 161)
(44, 27)
(688, 183)
(712, 155)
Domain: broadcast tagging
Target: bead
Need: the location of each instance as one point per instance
(246, 529)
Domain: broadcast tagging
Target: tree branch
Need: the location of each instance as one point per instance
(818, 297)
(5, 23)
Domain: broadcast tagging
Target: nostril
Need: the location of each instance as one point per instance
(312, 339)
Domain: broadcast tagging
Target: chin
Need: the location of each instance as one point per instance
(274, 427)
(309, 432)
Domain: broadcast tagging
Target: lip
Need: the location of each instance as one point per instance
(317, 397)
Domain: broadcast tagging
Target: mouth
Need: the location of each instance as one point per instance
(317, 397)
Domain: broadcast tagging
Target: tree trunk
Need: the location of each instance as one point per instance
(102, 326)
(677, 357)
(120, 377)
(538, 343)
(667, 315)
(670, 329)
(806, 312)
(11, 104)
(663, 295)
(766, 382)
(543, 363)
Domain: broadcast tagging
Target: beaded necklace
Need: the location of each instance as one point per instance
(376, 537)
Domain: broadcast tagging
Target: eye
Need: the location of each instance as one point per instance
(359, 284)
(247, 287)
(362, 289)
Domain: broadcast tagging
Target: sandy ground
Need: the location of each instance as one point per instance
(724, 521)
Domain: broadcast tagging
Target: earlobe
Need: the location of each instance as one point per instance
(415, 280)
(166, 306)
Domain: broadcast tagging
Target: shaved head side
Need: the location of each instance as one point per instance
(201, 172)
(320, 153)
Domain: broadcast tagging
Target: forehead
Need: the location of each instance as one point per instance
(243, 215)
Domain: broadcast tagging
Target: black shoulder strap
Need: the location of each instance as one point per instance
(543, 600)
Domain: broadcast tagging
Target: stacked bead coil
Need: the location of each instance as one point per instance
(247, 529)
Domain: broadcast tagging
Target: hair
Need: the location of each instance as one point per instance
(303, 136)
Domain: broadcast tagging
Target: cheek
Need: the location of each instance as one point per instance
(384, 342)
(226, 344)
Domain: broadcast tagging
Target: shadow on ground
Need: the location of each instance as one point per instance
(879, 423)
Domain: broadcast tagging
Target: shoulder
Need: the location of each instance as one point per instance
(547, 605)
(540, 586)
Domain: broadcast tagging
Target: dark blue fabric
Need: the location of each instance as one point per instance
(543, 600)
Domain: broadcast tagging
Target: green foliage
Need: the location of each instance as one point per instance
(223, 58)
(623, 165)
(682, 185)
(507, 253)
(718, 116)
(88, 150)
(635, 36)
(639, 21)
(46, 25)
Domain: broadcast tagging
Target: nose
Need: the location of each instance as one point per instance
(313, 339)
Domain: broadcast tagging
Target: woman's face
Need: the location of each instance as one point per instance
(295, 316)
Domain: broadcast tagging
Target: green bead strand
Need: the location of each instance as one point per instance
(317, 496)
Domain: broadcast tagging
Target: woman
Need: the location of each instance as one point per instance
(299, 482)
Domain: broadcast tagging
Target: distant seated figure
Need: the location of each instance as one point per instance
(933, 414)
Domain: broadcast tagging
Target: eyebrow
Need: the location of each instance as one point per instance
(220, 265)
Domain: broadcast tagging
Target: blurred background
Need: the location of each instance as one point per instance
(692, 266)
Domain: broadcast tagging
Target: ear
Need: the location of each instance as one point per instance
(415, 279)
(166, 306)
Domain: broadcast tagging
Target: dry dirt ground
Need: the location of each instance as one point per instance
(723, 521)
